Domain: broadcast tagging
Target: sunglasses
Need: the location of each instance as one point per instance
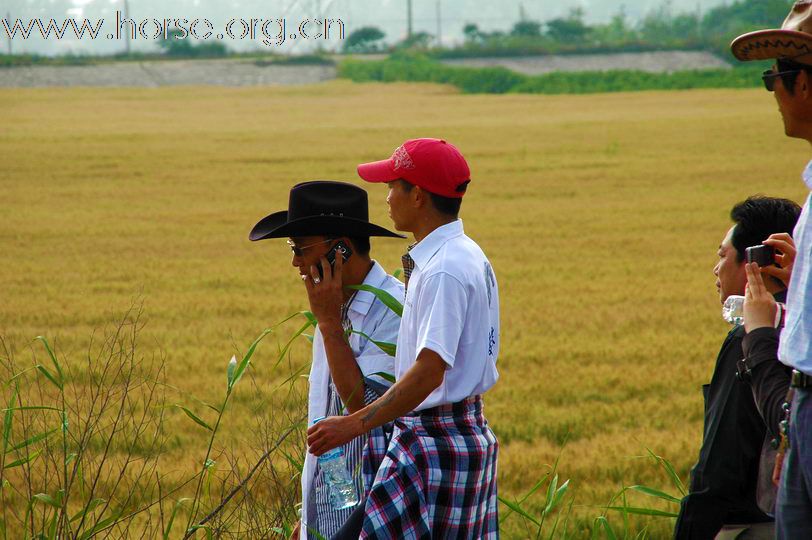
(788, 78)
(299, 250)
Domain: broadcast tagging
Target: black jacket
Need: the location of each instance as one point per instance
(724, 480)
(769, 378)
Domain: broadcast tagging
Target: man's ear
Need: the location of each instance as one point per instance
(803, 85)
(419, 196)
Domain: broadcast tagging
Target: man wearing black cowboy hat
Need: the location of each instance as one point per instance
(328, 221)
(790, 80)
(438, 479)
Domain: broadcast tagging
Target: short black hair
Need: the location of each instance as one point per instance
(758, 217)
(449, 206)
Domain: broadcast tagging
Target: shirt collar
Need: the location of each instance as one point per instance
(807, 175)
(363, 300)
(424, 250)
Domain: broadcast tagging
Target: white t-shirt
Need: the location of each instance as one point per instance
(451, 308)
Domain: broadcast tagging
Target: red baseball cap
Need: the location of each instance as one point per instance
(433, 164)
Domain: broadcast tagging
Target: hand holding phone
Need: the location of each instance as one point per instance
(339, 247)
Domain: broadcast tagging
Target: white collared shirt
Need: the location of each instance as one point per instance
(451, 308)
(371, 317)
(795, 345)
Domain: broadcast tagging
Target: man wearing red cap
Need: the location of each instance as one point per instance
(438, 479)
(790, 80)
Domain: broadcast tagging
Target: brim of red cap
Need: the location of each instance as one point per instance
(378, 171)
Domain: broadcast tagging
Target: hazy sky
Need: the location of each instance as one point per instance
(389, 15)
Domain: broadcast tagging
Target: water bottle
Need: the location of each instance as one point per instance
(338, 479)
(733, 310)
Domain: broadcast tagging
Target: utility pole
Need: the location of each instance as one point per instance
(127, 35)
(409, 20)
(439, 26)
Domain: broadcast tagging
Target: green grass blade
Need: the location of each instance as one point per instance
(385, 376)
(607, 528)
(397, 273)
(101, 525)
(519, 510)
(34, 408)
(34, 439)
(243, 365)
(206, 528)
(310, 318)
(53, 358)
(298, 465)
(550, 495)
(655, 493)
(177, 506)
(557, 497)
(46, 499)
(287, 346)
(669, 469)
(232, 365)
(194, 417)
(387, 299)
(642, 511)
(388, 348)
(42, 369)
(8, 417)
(23, 461)
(95, 503)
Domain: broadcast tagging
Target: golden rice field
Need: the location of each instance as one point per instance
(601, 214)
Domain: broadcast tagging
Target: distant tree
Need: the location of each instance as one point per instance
(686, 26)
(571, 28)
(182, 47)
(418, 40)
(526, 28)
(617, 31)
(656, 26)
(472, 33)
(174, 45)
(723, 23)
(364, 40)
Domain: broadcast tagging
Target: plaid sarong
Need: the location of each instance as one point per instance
(438, 479)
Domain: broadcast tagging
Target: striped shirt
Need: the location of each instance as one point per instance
(320, 511)
(368, 318)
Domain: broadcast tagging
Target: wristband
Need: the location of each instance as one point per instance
(780, 311)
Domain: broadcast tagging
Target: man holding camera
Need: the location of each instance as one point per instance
(790, 80)
(328, 230)
(730, 488)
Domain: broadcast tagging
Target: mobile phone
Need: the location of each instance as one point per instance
(762, 255)
(338, 247)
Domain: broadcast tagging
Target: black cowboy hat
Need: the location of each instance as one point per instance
(321, 208)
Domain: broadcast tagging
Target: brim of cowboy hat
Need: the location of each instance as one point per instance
(769, 44)
(378, 171)
(277, 225)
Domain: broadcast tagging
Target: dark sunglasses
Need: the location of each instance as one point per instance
(299, 250)
(788, 77)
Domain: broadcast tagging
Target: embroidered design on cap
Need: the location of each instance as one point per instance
(402, 159)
